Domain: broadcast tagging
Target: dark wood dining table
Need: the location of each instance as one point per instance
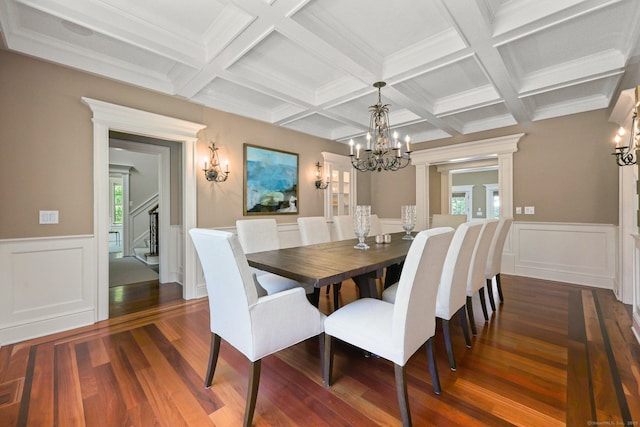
(329, 263)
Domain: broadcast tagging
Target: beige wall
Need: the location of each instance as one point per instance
(220, 204)
(46, 148)
(563, 168)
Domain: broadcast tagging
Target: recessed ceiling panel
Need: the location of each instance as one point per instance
(572, 99)
(315, 124)
(590, 41)
(286, 65)
(96, 45)
(379, 28)
(485, 118)
(222, 94)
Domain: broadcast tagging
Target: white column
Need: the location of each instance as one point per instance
(422, 196)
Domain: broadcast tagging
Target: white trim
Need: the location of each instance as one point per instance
(468, 195)
(108, 117)
(502, 147)
(489, 189)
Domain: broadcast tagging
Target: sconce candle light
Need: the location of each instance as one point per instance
(320, 185)
(626, 154)
(212, 169)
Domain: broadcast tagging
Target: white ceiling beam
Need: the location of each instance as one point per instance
(472, 24)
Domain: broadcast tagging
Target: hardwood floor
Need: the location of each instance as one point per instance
(142, 296)
(552, 354)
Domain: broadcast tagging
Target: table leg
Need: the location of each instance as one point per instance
(366, 284)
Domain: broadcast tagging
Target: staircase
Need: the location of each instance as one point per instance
(149, 254)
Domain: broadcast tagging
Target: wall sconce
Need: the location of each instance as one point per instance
(320, 185)
(212, 169)
(626, 154)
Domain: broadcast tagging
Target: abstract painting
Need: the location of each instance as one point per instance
(270, 181)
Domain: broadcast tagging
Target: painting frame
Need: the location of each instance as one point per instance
(271, 181)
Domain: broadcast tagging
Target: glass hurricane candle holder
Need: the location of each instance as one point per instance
(408, 217)
(361, 225)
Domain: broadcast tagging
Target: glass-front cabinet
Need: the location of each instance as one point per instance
(341, 194)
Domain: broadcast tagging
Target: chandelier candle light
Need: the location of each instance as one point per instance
(382, 152)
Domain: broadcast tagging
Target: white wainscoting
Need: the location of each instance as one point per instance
(47, 285)
(583, 254)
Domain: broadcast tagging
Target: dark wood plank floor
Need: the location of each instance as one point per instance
(553, 354)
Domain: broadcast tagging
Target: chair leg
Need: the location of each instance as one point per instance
(465, 326)
(327, 365)
(403, 397)
(327, 291)
(433, 369)
(499, 287)
(490, 294)
(472, 320)
(252, 393)
(213, 359)
(483, 304)
(447, 342)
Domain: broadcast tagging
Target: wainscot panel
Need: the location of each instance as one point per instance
(47, 285)
(583, 254)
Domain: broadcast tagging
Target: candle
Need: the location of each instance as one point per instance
(408, 140)
(351, 147)
(398, 148)
(368, 141)
(226, 165)
(358, 151)
(395, 136)
(617, 140)
(206, 164)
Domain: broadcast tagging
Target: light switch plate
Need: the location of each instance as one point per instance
(518, 210)
(48, 217)
(529, 210)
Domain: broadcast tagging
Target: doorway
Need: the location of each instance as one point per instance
(111, 117)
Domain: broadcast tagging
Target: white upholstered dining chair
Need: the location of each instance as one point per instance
(343, 226)
(476, 277)
(314, 230)
(257, 235)
(494, 261)
(452, 290)
(255, 326)
(396, 331)
(446, 220)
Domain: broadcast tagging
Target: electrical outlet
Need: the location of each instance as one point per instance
(518, 210)
(529, 210)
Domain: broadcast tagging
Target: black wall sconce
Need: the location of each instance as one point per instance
(320, 185)
(212, 169)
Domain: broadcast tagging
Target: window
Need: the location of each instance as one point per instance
(117, 203)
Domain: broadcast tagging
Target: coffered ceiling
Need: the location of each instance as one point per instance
(451, 66)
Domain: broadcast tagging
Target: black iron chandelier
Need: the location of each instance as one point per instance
(382, 152)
